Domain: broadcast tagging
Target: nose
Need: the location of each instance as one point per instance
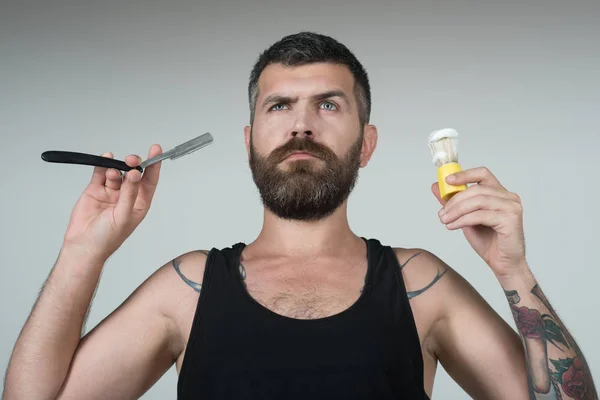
(303, 125)
(301, 133)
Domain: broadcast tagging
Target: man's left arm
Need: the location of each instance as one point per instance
(555, 362)
(491, 220)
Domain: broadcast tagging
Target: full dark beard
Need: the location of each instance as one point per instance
(308, 190)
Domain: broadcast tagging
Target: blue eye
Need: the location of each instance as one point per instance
(276, 107)
(329, 106)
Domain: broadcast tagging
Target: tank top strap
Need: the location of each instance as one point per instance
(385, 268)
(388, 291)
(220, 264)
(217, 290)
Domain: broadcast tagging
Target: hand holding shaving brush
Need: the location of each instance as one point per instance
(443, 144)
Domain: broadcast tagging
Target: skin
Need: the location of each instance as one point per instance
(128, 352)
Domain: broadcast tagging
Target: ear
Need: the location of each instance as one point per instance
(369, 144)
(247, 130)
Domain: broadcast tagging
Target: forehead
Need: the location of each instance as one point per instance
(305, 80)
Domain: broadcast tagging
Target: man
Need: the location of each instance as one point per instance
(309, 309)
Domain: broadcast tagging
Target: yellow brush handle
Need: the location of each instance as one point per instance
(447, 190)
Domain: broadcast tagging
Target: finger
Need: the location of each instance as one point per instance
(435, 189)
(129, 190)
(113, 179)
(478, 190)
(151, 174)
(149, 180)
(480, 202)
(480, 217)
(480, 175)
(99, 174)
(133, 160)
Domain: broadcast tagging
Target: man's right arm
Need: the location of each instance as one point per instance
(122, 357)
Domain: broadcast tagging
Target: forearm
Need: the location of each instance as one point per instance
(45, 347)
(555, 364)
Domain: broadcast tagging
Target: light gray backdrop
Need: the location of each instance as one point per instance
(518, 81)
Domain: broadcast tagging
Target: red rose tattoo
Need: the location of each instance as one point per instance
(575, 381)
(529, 322)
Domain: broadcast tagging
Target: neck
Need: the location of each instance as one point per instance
(329, 236)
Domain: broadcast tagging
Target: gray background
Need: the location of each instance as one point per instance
(518, 81)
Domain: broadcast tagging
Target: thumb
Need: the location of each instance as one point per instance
(435, 189)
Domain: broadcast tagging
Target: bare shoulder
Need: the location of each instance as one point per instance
(433, 284)
(186, 270)
(435, 290)
(422, 272)
(178, 287)
(428, 277)
(181, 280)
(171, 284)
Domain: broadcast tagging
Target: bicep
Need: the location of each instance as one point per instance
(477, 348)
(124, 355)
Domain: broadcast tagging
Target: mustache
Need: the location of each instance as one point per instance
(304, 145)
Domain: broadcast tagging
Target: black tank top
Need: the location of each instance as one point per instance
(239, 349)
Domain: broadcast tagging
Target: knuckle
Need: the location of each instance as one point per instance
(482, 199)
(450, 203)
(477, 189)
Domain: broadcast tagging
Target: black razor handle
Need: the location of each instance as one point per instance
(70, 157)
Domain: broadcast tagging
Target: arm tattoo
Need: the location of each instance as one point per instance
(415, 293)
(566, 376)
(407, 261)
(194, 285)
(438, 276)
(512, 296)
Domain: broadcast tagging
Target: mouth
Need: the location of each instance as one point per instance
(300, 155)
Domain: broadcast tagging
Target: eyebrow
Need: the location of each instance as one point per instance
(278, 98)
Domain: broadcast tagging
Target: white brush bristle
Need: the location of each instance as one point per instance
(444, 151)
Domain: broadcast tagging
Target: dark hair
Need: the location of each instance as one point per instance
(307, 48)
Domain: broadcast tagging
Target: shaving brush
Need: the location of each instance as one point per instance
(443, 144)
